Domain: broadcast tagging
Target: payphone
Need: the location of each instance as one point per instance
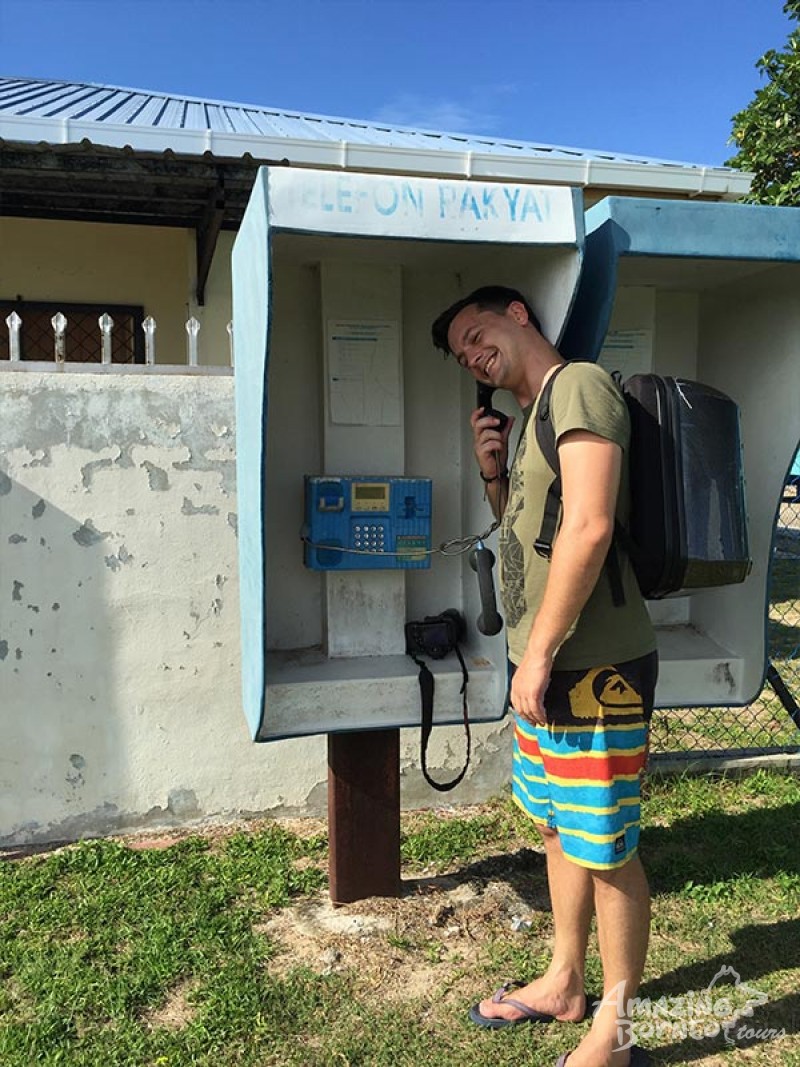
(367, 523)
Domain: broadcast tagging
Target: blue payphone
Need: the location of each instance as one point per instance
(367, 523)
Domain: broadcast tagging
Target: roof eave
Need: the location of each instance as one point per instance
(718, 182)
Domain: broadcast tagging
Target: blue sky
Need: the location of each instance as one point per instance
(657, 78)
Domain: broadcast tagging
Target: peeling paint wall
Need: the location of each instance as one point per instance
(119, 628)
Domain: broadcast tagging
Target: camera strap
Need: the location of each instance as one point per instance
(427, 686)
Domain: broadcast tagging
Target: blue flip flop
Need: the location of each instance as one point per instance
(639, 1058)
(529, 1015)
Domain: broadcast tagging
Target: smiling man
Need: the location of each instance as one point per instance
(582, 662)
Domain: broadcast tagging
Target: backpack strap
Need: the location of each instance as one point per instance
(543, 545)
(546, 440)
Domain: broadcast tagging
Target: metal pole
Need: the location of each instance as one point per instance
(783, 694)
(364, 815)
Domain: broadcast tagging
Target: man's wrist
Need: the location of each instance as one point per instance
(500, 476)
(537, 656)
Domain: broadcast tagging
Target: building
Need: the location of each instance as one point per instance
(119, 628)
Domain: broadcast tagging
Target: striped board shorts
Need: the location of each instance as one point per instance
(581, 773)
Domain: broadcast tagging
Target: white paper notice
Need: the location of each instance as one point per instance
(364, 372)
(627, 351)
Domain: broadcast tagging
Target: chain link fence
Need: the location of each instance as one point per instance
(771, 724)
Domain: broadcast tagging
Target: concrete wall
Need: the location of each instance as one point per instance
(119, 629)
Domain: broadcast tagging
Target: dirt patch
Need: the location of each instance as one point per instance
(176, 1011)
(430, 938)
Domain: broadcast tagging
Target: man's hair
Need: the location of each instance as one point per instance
(487, 298)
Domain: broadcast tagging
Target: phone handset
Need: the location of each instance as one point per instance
(485, 394)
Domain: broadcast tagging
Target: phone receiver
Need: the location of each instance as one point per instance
(489, 621)
(485, 394)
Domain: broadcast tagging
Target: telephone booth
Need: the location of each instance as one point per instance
(707, 292)
(354, 447)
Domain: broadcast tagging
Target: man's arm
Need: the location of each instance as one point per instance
(590, 476)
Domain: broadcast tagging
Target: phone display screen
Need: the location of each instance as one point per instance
(370, 496)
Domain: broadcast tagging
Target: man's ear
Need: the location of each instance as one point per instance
(518, 312)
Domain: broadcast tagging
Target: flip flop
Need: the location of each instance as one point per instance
(529, 1015)
(639, 1058)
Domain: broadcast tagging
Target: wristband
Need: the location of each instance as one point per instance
(495, 477)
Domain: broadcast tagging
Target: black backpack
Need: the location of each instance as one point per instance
(688, 521)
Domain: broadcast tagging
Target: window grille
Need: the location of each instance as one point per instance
(83, 336)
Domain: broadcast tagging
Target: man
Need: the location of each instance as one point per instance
(584, 667)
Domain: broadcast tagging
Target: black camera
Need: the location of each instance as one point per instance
(436, 635)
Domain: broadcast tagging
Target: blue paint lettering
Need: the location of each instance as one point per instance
(344, 193)
(512, 202)
(530, 206)
(469, 203)
(308, 197)
(447, 196)
(412, 199)
(488, 203)
(325, 203)
(394, 198)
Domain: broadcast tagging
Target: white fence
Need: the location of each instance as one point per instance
(105, 322)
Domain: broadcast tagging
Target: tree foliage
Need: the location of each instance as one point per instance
(767, 131)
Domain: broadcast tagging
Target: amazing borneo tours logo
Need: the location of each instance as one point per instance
(718, 1009)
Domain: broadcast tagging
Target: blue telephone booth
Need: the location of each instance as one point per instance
(354, 453)
(709, 292)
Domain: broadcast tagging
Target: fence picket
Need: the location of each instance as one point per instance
(106, 324)
(149, 329)
(192, 330)
(59, 324)
(14, 324)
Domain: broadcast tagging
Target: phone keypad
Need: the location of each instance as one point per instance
(369, 537)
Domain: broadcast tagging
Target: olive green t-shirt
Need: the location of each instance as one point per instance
(584, 397)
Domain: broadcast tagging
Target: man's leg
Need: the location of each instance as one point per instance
(560, 989)
(622, 903)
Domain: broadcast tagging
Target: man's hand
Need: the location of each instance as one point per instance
(491, 445)
(528, 687)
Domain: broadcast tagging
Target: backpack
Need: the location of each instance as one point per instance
(688, 521)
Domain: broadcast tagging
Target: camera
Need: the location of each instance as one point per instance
(436, 635)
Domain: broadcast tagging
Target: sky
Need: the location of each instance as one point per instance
(656, 78)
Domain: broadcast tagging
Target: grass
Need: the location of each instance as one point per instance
(111, 955)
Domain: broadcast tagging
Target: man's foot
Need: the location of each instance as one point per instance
(592, 1052)
(538, 1001)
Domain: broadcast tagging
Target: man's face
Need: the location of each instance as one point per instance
(487, 343)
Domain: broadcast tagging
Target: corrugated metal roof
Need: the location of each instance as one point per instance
(143, 110)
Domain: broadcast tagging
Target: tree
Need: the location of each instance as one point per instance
(767, 131)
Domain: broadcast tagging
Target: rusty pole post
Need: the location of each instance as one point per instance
(364, 815)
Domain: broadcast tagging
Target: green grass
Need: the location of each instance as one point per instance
(113, 956)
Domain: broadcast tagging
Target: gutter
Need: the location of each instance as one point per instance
(714, 182)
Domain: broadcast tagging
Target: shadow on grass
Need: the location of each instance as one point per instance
(704, 849)
(715, 846)
(756, 1031)
(524, 870)
(757, 952)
